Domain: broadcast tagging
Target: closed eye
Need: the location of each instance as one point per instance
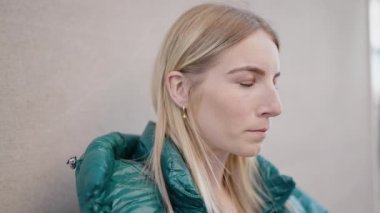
(247, 84)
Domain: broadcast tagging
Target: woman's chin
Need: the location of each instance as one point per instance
(251, 151)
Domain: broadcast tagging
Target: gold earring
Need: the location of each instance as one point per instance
(184, 112)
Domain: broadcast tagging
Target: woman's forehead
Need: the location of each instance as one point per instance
(257, 52)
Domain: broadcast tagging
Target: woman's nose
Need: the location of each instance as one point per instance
(270, 104)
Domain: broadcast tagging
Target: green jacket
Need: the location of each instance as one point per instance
(110, 178)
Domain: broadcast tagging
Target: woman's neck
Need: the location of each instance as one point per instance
(218, 164)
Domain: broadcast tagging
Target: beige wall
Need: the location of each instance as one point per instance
(72, 70)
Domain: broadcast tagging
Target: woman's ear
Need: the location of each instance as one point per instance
(178, 86)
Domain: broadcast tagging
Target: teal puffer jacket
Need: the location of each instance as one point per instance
(110, 178)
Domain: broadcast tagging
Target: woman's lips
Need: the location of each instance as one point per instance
(260, 133)
(259, 130)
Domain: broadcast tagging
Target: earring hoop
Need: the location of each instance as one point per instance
(184, 112)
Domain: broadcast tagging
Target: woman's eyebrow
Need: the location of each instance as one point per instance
(251, 69)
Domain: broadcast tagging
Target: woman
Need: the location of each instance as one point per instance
(214, 92)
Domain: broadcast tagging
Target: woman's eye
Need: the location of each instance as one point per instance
(248, 84)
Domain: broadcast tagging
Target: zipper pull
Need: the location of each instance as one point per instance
(72, 162)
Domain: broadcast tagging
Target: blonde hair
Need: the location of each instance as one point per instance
(193, 43)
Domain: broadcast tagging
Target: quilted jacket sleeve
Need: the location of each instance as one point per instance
(106, 183)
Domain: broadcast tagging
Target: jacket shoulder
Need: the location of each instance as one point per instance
(284, 192)
(108, 180)
(304, 201)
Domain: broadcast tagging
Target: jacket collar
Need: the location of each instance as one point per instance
(279, 187)
(181, 186)
(176, 174)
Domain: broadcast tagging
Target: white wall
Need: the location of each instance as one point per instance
(72, 70)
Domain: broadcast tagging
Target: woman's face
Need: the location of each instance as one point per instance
(238, 96)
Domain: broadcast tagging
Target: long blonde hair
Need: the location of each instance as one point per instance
(192, 44)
